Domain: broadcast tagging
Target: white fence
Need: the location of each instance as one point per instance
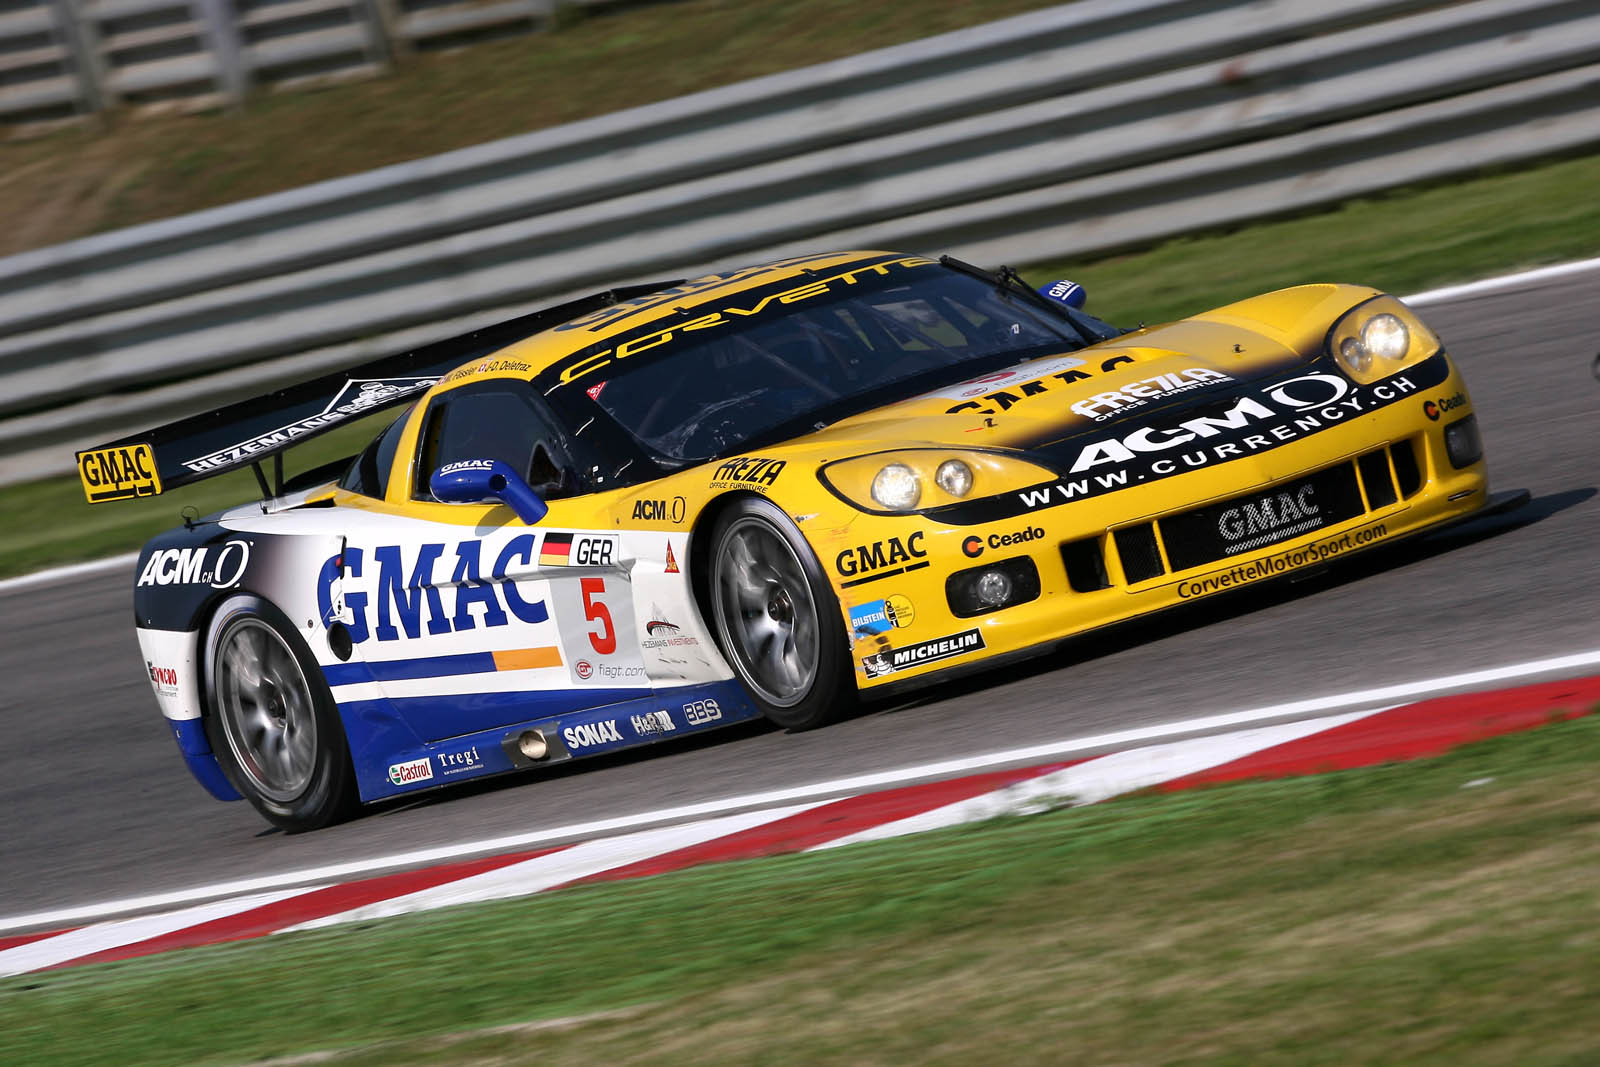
(1078, 129)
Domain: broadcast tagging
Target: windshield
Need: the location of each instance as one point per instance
(802, 366)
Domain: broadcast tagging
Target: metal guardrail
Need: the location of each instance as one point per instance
(61, 59)
(1082, 128)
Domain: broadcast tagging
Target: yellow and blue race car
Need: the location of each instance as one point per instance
(766, 492)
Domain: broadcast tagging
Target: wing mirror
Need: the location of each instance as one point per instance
(1064, 292)
(476, 481)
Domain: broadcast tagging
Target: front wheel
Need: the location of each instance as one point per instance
(777, 619)
(272, 721)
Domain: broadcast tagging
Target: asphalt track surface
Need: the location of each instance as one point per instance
(97, 806)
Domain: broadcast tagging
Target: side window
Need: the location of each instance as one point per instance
(369, 473)
(501, 420)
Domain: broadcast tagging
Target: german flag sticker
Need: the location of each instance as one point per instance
(557, 550)
(118, 473)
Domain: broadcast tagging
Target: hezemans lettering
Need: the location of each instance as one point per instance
(367, 396)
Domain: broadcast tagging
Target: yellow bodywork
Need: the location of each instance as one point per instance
(904, 560)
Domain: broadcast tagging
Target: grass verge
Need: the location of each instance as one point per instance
(1402, 241)
(127, 171)
(1442, 911)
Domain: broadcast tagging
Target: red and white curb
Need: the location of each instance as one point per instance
(1334, 742)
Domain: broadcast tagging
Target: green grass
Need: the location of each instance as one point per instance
(1439, 912)
(1404, 241)
(124, 171)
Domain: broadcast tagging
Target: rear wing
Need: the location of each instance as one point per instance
(250, 431)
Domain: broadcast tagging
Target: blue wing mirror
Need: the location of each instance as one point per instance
(1064, 292)
(475, 481)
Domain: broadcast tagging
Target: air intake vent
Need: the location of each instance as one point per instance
(1375, 480)
(1404, 454)
(1140, 557)
(1086, 565)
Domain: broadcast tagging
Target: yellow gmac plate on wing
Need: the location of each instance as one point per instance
(118, 473)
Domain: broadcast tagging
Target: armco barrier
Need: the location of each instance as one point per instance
(64, 58)
(1077, 129)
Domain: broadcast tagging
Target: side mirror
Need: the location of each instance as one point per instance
(1064, 292)
(474, 481)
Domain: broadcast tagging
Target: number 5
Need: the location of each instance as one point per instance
(605, 639)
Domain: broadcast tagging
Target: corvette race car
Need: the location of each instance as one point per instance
(664, 509)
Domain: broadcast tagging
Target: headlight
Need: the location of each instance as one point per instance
(913, 479)
(1386, 337)
(897, 487)
(1377, 338)
(954, 477)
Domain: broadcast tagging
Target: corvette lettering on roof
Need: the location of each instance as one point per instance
(597, 320)
(419, 586)
(745, 306)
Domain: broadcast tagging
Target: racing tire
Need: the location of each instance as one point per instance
(272, 722)
(776, 618)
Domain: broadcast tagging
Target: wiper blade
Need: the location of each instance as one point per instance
(1006, 279)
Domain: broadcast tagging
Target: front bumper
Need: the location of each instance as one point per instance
(1080, 565)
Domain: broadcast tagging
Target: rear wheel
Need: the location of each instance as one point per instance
(777, 619)
(272, 722)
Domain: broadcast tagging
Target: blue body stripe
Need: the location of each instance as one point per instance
(400, 669)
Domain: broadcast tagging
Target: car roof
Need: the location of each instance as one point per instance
(531, 356)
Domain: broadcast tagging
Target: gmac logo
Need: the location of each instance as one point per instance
(1270, 515)
(892, 552)
(411, 597)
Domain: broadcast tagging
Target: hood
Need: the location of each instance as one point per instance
(1048, 399)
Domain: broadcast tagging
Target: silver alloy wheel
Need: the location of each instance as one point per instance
(765, 612)
(266, 709)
